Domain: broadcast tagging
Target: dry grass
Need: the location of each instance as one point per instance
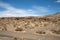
(56, 31)
(40, 32)
(19, 29)
(31, 23)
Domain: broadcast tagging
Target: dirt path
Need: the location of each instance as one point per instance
(26, 36)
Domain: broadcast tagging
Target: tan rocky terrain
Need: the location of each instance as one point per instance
(30, 28)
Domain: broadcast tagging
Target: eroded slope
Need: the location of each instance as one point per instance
(49, 24)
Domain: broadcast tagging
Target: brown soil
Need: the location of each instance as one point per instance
(36, 26)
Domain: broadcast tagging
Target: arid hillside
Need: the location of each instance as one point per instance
(30, 28)
(39, 25)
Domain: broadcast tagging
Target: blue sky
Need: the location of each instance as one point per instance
(10, 8)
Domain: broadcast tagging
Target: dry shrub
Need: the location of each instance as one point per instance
(17, 18)
(15, 38)
(40, 32)
(19, 29)
(56, 31)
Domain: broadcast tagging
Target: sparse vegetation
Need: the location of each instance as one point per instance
(31, 23)
(30, 28)
(15, 38)
(41, 32)
(19, 29)
(56, 31)
(17, 18)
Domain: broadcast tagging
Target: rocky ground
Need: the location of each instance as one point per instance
(30, 28)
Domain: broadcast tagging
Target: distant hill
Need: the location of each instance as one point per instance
(33, 24)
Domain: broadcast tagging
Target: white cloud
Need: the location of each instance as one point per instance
(58, 1)
(12, 11)
(41, 9)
